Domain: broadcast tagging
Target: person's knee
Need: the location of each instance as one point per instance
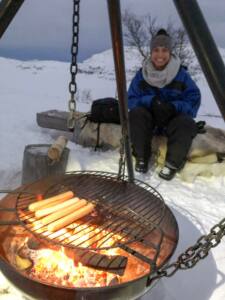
(138, 112)
(183, 124)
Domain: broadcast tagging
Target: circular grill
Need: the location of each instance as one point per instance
(126, 212)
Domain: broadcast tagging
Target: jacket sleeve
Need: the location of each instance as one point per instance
(136, 95)
(190, 99)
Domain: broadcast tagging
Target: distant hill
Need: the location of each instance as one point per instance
(95, 79)
(102, 63)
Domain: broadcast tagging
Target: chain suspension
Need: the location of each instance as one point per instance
(122, 162)
(73, 66)
(194, 254)
(205, 243)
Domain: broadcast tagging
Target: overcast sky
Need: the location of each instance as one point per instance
(42, 29)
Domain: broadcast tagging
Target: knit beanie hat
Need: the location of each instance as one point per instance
(161, 39)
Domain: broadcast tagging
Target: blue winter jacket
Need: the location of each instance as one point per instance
(182, 92)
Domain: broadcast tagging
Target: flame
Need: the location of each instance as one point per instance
(39, 197)
(55, 267)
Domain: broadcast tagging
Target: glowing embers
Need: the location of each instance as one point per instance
(121, 240)
(48, 262)
(61, 266)
(55, 267)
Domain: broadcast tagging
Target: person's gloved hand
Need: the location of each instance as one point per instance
(162, 111)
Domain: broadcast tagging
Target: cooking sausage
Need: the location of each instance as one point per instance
(43, 203)
(55, 206)
(62, 222)
(62, 213)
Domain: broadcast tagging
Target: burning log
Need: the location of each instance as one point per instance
(114, 281)
(33, 244)
(44, 203)
(110, 263)
(23, 263)
(115, 264)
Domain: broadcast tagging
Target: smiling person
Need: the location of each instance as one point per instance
(162, 97)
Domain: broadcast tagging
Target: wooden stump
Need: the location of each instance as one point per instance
(36, 163)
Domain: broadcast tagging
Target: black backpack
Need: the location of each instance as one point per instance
(105, 110)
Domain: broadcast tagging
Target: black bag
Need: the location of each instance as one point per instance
(105, 110)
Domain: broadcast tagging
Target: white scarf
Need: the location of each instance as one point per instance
(160, 78)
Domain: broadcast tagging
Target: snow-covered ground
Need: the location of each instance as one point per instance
(34, 86)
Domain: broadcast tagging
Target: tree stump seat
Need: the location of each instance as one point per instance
(37, 165)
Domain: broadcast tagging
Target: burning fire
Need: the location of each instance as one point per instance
(42, 259)
(55, 267)
(60, 267)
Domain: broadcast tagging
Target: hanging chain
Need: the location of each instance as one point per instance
(194, 254)
(122, 164)
(73, 66)
(205, 243)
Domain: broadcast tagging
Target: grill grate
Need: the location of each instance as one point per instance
(126, 213)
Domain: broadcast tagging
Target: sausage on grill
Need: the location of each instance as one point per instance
(55, 206)
(64, 212)
(46, 202)
(80, 213)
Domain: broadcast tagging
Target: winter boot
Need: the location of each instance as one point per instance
(167, 173)
(141, 165)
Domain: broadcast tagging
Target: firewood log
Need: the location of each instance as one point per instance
(110, 263)
(56, 149)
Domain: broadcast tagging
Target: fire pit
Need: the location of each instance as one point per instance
(111, 253)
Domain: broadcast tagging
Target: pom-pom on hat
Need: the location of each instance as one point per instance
(161, 39)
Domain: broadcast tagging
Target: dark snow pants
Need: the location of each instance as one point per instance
(180, 131)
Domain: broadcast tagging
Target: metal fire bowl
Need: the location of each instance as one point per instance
(42, 291)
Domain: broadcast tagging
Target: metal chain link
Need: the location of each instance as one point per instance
(73, 66)
(122, 161)
(194, 254)
(121, 172)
